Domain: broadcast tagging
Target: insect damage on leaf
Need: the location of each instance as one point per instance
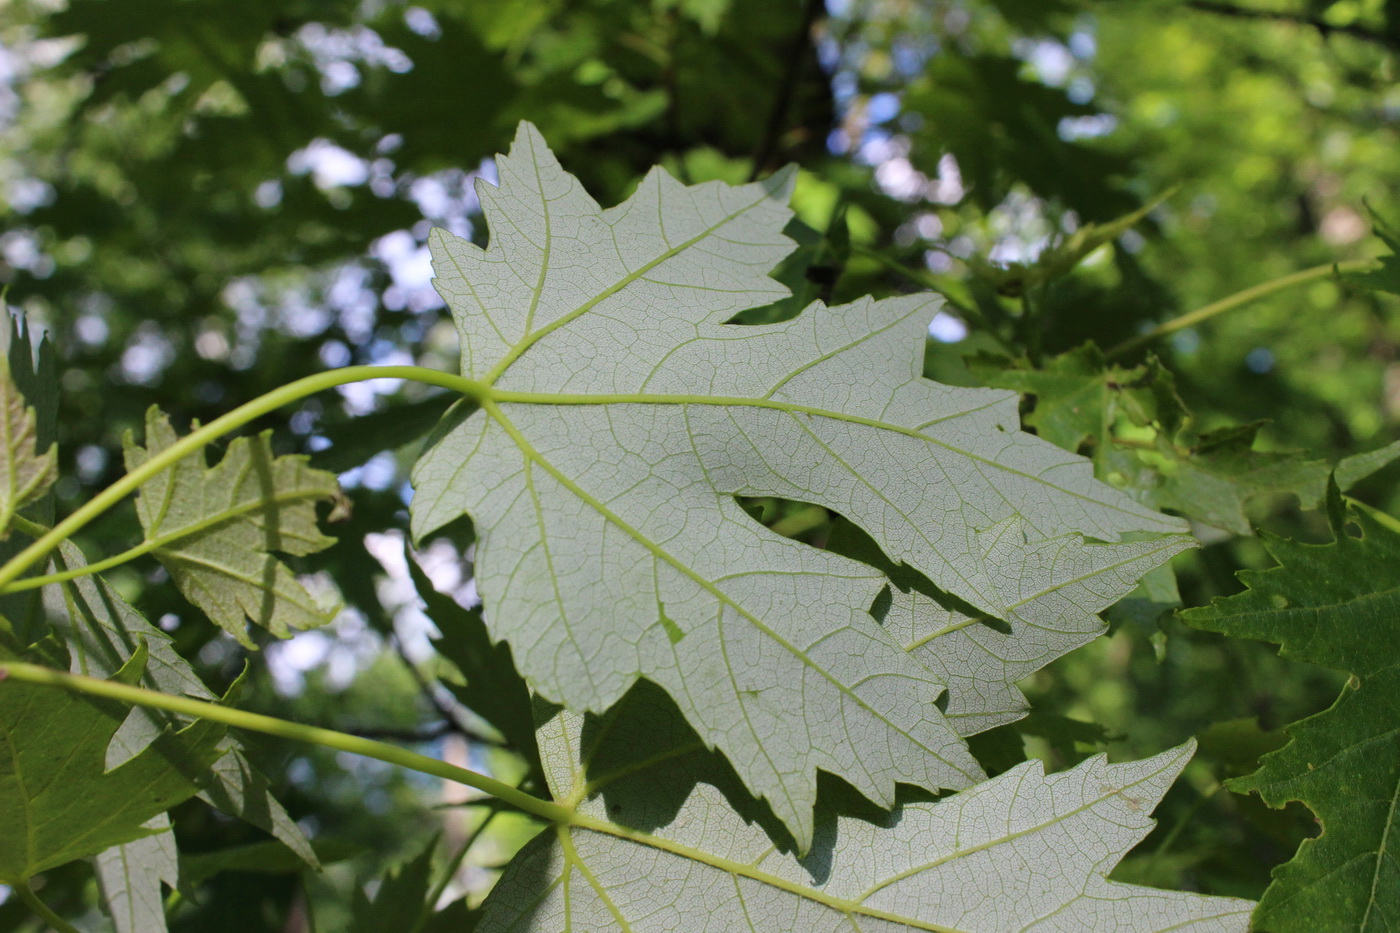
(216, 529)
(618, 414)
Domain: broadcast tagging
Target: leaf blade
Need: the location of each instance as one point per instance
(619, 414)
(216, 529)
(659, 848)
(1333, 605)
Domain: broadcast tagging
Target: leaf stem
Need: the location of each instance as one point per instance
(1238, 299)
(72, 573)
(26, 894)
(282, 728)
(25, 526)
(1381, 518)
(197, 439)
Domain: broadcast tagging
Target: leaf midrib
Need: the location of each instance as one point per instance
(485, 393)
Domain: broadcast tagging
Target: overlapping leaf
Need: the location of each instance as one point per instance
(33, 366)
(1337, 605)
(1081, 400)
(58, 800)
(25, 472)
(617, 417)
(216, 529)
(103, 631)
(654, 845)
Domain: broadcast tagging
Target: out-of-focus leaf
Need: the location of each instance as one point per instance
(356, 440)
(1081, 402)
(1002, 127)
(1337, 605)
(260, 858)
(1387, 277)
(216, 529)
(1059, 259)
(25, 473)
(1352, 470)
(399, 900)
(34, 369)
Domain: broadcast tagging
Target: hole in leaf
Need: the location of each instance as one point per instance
(800, 521)
(995, 624)
(881, 607)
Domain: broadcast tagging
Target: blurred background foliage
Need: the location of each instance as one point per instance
(204, 199)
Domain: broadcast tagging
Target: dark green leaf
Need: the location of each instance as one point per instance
(1337, 605)
(58, 801)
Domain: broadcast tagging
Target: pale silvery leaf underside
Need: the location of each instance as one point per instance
(660, 849)
(617, 415)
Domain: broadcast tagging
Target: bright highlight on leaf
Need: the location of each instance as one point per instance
(656, 846)
(617, 417)
(216, 529)
(25, 474)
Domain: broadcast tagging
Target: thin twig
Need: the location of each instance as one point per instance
(787, 87)
(1239, 299)
(1323, 28)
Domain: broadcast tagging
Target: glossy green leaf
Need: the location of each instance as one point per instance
(217, 529)
(1337, 605)
(655, 845)
(618, 415)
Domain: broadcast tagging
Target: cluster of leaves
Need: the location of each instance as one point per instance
(165, 206)
(728, 727)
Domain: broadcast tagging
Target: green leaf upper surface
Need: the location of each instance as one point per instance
(656, 846)
(1337, 605)
(618, 415)
(58, 800)
(215, 529)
